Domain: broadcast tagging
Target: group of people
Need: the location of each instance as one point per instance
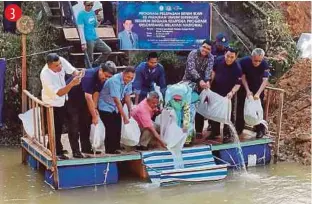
(100, 93)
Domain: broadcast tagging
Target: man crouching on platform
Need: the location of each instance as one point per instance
(143, 114)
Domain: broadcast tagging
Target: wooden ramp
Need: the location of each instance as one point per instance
(199, 165)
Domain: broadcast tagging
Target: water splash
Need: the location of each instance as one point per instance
(94, 156)
(177, 158)
(241, 165)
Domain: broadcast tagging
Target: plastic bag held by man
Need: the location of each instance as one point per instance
(253, 112)
(130, 133)
(97, 135)
(214, 107)
(171, 133)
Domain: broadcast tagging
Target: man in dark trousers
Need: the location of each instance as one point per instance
(198, 70)
(55, 93)
(226, 81)
(115, 91)
(82, 107)
(255, 78)
(146, 74)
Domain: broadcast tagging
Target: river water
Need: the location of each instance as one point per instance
(282, 183)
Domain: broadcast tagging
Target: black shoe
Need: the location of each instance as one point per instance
(141, 148)
(95, 65)
(113, 152)
(78, 155)
(68, 24)
(227, 139)
(90, 151)
(107, 23)
(212, 136)
(260, 134)
(239, 132)
(209, 128)
(64, 151)
(62, 157)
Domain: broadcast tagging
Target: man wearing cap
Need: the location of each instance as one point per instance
(143, 114)
(87, 22)
(146, 74)
(226, 81)
(54, 92)
(220, 45)
(198, 70)
(255, 78)
(82, 107)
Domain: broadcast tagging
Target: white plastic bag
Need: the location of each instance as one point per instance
(130, 133)
(214, 107)
(27, 119)
(97, 135)
(170, 132)
(157, 89)
(173, 136)
(253, 112)
(157, 120)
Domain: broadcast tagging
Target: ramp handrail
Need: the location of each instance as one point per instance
(268, 101)
(43, 124)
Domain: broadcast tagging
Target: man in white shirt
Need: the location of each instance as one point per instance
(54, 92)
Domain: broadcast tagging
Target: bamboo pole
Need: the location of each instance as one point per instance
(51, 135)
(279, 127)
(24, 98)
(24, 73)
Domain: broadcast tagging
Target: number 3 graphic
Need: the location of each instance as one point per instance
(13, 13)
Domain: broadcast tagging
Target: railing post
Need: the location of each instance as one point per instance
(279, 127)
(267, 105)
(51, 139)
(24, 152)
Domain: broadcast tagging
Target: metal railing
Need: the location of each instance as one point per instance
(43, 130)
(275, 96)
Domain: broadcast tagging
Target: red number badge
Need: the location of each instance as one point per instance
(13, 12)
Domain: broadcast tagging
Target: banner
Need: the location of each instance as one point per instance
(2, 77)
(162, 26)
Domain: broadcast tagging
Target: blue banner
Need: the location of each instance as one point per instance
(2, 77)
(162, 26)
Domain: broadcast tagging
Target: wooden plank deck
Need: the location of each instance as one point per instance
(247, 139)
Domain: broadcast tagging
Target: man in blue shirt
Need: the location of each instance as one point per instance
(87, 22)
(220, 45)
(82, 109)
(115, 91)
(255, 77)
(226, 81)
(146, 74)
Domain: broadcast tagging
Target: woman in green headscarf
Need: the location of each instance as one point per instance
(179, 97)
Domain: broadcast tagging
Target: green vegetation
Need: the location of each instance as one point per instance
(42, 38)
